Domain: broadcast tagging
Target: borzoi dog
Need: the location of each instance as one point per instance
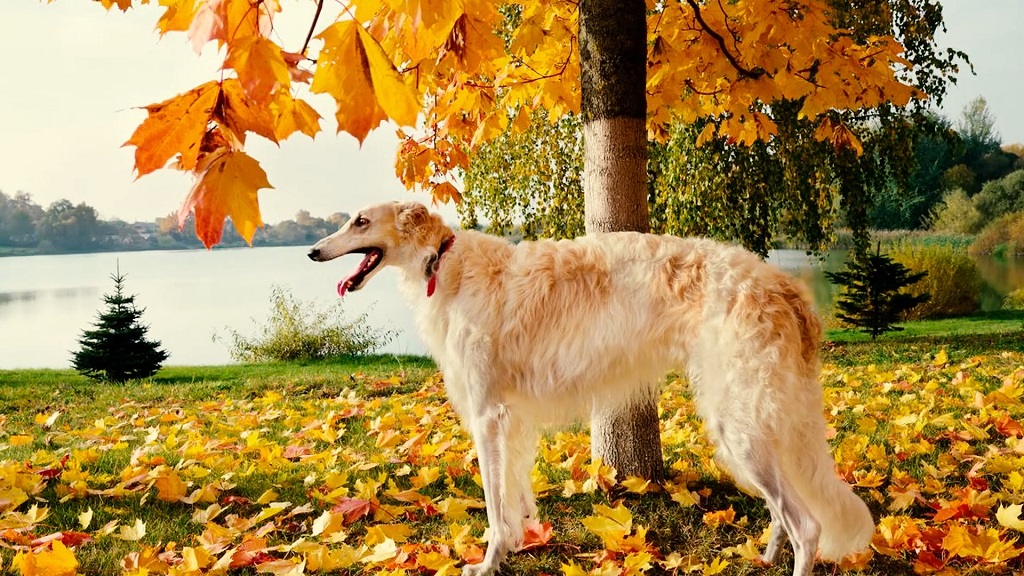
(538, 332)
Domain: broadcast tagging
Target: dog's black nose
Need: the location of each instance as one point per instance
(314, 254)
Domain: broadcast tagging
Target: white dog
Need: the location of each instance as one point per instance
(539, 332)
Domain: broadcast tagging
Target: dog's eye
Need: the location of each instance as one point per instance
(360, 222)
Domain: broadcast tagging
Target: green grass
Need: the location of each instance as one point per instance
(995, 322)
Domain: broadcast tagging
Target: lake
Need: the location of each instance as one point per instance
(192, 295)
(189, 296)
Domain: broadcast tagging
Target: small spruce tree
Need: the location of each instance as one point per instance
(117, 349)
(872, 297)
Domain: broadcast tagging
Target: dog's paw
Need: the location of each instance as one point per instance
(480, 569)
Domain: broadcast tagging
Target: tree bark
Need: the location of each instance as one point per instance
(613, 61)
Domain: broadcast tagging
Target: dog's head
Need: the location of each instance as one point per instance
(388, 234)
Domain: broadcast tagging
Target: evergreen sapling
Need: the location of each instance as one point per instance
(117, 349)
(872, 297)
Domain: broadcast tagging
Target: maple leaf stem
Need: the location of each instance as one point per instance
(312, 26)
(744, 72)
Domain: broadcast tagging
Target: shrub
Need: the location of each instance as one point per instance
(953, 280)
(1014, 300)
(1004, 236)
(302, 331)
(956, 214)
(117, 349)
(1002, 196)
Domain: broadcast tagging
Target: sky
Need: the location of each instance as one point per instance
(73, 79)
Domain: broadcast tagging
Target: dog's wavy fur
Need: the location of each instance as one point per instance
(541, 332)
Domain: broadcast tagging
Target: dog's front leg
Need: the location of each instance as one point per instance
(490, 434)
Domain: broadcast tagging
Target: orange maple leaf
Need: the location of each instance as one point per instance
(240, 114)
(260, 65)
(536, 534)
(227, 187)
(177, 16)
(123, 5)
(174, 126)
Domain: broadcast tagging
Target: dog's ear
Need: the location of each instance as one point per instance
(411, 215)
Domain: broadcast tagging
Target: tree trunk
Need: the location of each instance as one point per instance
(613, 59)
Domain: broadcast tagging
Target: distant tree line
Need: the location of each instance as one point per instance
(952, 162)
(63, 227)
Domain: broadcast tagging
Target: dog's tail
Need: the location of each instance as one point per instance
(846, 523)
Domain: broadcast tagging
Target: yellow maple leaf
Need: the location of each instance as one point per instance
(134, 532)
(1009, 516)
(440, 562)
(195, 558)
(55, 561)
(572, 569)
(170, 487)
(636, 485)
(85, 518)
(716, 567)
(382, 552)
(382, 532)
(174, 127)
(46, 420)
(292, 115)
(226, 188)
(355, 70)
(269, 495)
(20, 440)
(610, 524)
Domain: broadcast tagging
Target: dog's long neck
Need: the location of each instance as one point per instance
(434, 262)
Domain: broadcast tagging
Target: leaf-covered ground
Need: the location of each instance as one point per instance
(365, 470)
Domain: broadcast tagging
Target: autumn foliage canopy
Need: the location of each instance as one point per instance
(452, 75)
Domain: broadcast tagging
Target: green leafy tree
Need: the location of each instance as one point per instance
(117, 349)
(704, 180)
(1002, 196)
(872, 296)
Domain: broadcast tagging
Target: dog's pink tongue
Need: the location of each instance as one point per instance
(342, 288)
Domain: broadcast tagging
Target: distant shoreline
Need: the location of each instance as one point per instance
(9, 252)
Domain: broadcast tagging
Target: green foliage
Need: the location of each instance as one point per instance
(117, 349)
(953, 282)
(302, 331)
(529, 183)
(1004, 236)
(871, 296)
(956, 214)
(1002, 196)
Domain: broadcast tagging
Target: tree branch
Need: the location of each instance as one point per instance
(309, 35)
(744, 72)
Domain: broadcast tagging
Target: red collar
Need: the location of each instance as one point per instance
(435, 262)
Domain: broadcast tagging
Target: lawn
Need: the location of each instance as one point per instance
(360, 467)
